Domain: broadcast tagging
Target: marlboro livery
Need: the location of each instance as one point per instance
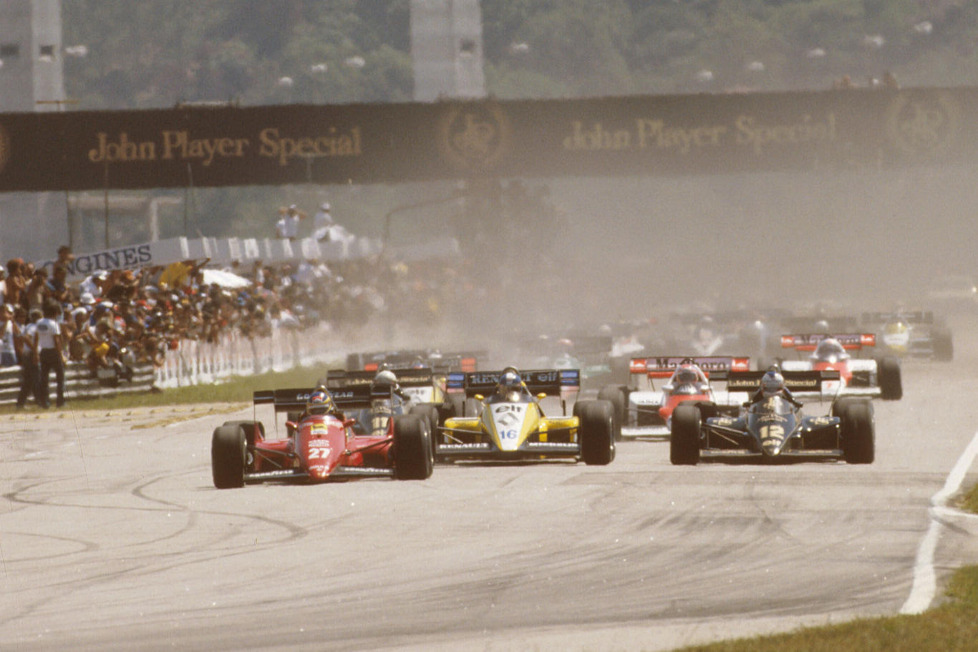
(863, 377)
(644, 410)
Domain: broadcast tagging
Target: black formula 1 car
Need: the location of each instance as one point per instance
(774, 428)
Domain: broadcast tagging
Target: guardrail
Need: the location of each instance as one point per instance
(79, 383)
(192, 362)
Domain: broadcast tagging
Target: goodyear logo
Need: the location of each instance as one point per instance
(474, 137)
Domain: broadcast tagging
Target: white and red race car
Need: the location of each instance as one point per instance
(862, 377)
(644, 410)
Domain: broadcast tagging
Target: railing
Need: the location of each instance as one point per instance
(191, 363)
(195, 362)
(79, 383)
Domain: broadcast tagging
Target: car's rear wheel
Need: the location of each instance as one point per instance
(684, 439)
(428, 412)
(858, 433)
(597, 431)
(412, 448)
(614, 394)
(891, 384)
(228, 450)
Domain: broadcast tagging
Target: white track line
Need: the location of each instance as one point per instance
(924, 577)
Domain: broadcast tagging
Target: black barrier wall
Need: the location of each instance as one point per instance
(381, 143)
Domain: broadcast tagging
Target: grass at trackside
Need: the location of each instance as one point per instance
(237, 389)
(951, 626)
(969, 501)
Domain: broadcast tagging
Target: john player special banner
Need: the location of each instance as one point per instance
(386, 143)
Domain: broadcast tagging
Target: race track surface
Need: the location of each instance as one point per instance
(113, 537)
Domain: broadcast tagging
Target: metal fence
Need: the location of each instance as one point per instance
(79, 383)
(193, 363)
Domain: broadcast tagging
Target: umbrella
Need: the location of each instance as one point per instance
(224, 279)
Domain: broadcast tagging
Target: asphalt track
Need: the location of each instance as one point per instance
(113, 537)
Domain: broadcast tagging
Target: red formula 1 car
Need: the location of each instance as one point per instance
(323, 447)
(862, 377)
(644, 410)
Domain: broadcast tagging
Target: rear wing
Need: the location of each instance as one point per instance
(665, 366)
(840, 324)
(796, 381)
(552, 382)
(354, 397)
(439, 363)
(912, 317)
(339, 379)
(809, 341)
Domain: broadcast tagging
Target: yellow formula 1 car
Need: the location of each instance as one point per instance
(511, 424)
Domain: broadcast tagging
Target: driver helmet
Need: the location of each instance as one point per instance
(418, 363)
(772, 383)
(686, 375)
(320, 402)
(385, 378)
(830, 350)
(822, 327)
(510, 381)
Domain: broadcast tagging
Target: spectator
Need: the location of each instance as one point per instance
(37, 289)
(9, 334)
(322, 221)
(65, 257)
(27, 354)
(94, 284)
(16, 284)
(288, 225)
(50, 349)
(57, 285)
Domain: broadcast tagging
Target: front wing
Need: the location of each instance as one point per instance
(459, 445)
(339, 473)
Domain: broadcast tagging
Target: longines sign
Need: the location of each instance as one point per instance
(384, 143)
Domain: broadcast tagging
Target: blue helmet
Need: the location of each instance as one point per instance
(510, 381)
(320, 402)
(772, 383)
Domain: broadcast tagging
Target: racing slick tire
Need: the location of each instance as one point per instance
(457, 402)
(842, 403)
(228, 450)
(858, 433)
(597, 431)
(891, 384)
(249, 429)
(684, 440)
(412, 448)
(614, 394)
(428, 412)
(943, 345)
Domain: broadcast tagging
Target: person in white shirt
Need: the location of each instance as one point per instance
(50, 348)
(322, 222)
(9, 332)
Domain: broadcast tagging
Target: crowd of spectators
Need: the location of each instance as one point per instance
(113, 320)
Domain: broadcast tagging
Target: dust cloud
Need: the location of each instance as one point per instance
(642, 248)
